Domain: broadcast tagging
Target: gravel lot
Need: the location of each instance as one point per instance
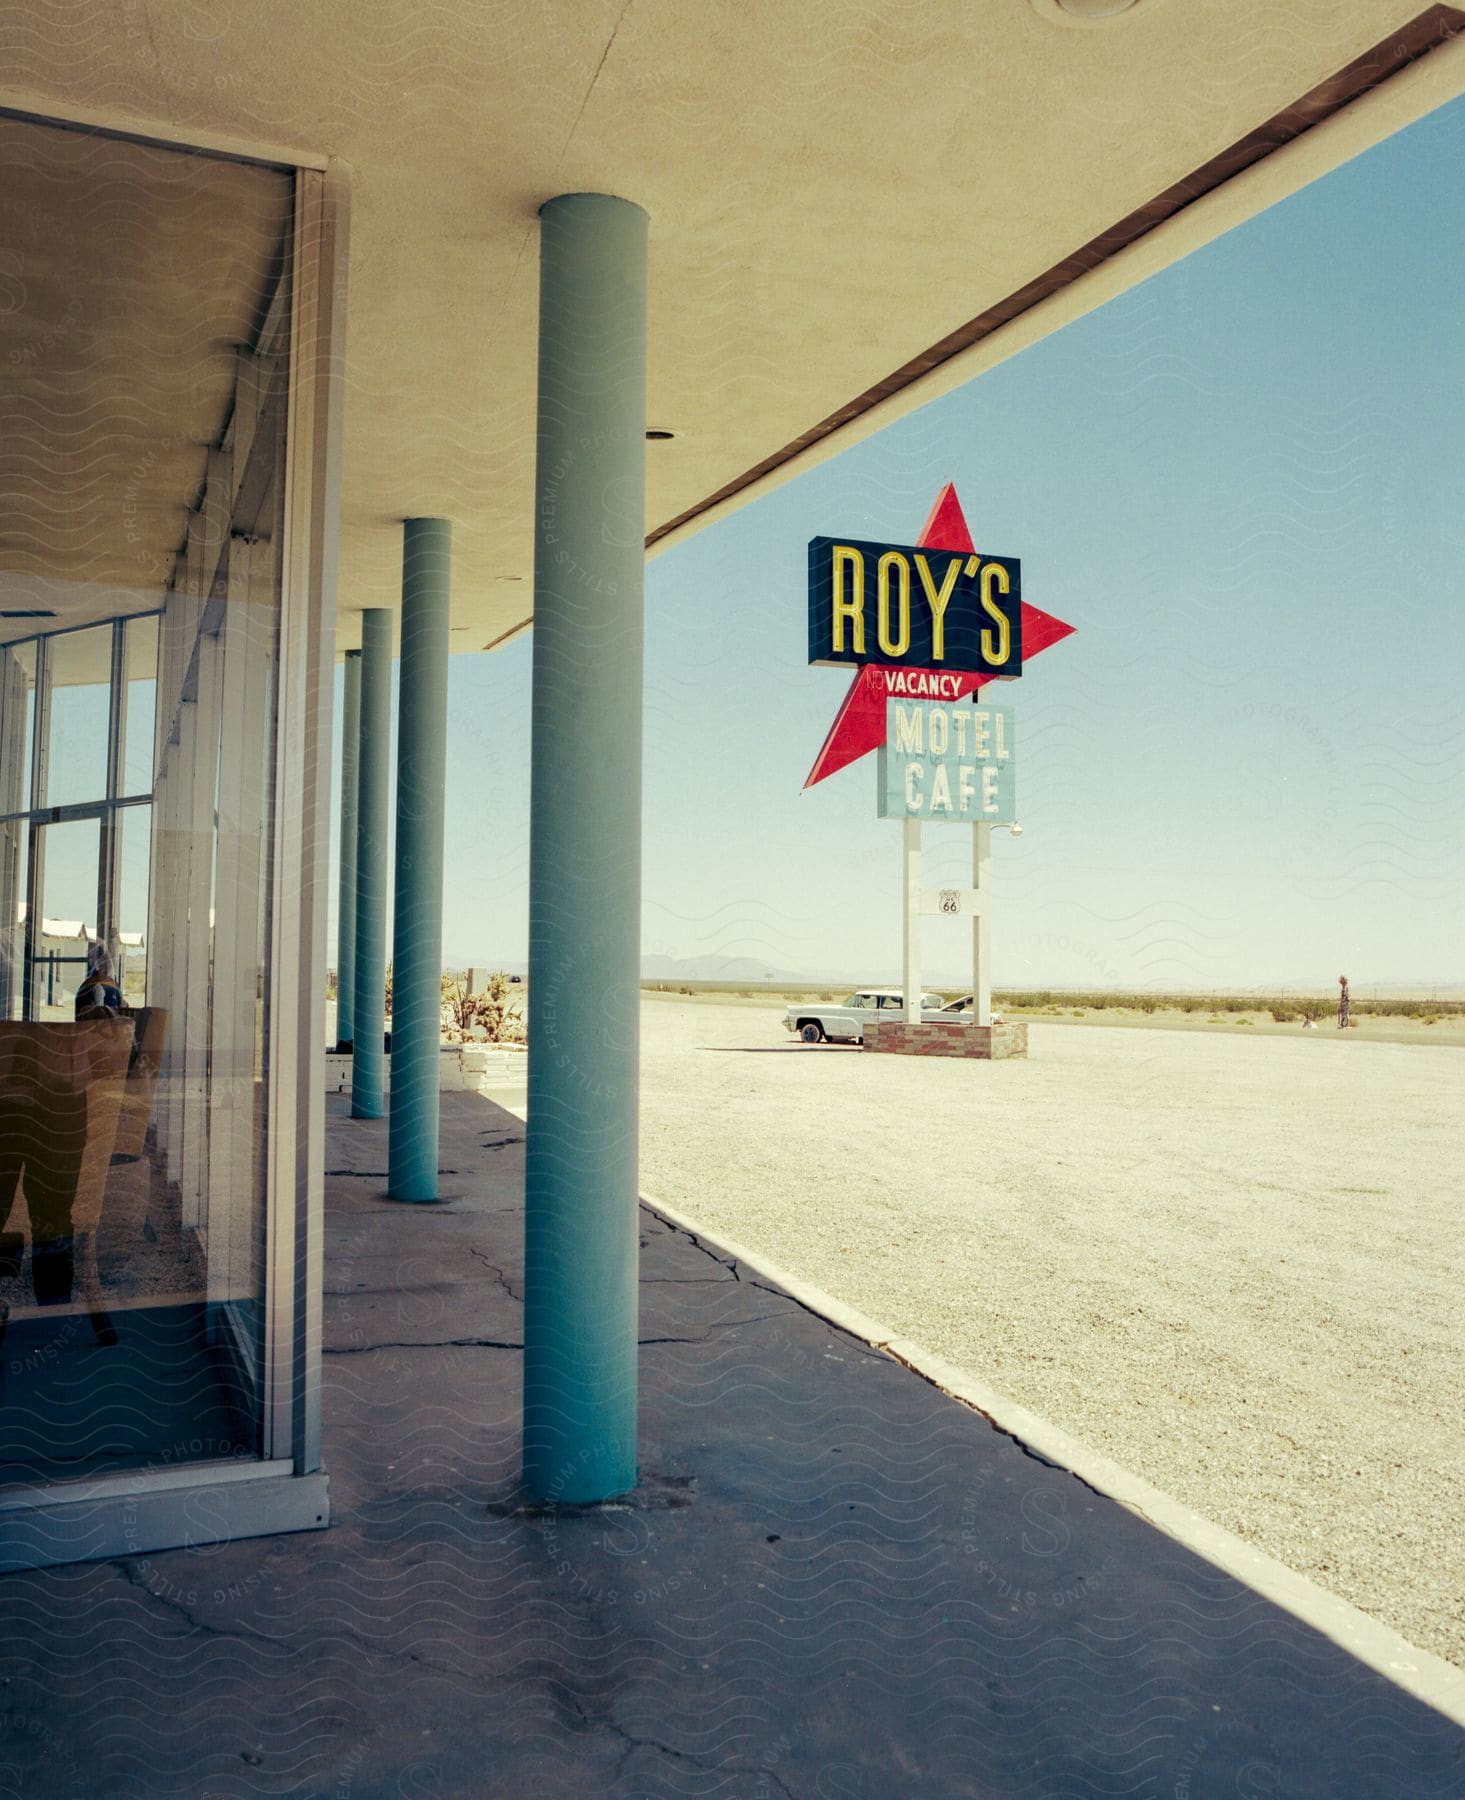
(1234, 1266)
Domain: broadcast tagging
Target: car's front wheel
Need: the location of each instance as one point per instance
(811, 1032)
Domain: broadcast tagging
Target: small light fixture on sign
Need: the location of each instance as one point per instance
(658, 435)
(1082, 12)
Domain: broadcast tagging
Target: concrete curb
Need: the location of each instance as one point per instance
(1419, 1672)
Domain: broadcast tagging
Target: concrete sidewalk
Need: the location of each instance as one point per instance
(836, 1581)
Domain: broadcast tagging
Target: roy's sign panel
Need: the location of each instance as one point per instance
(955, 763)
(910, 607)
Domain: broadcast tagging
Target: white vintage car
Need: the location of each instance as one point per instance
(816, 1020)
(960, 1011)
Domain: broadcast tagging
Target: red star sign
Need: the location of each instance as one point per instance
(859, 725)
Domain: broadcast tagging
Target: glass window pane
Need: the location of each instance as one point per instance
(81, 699)
(71, 857)
(135, 1333)
(14, 861)
(136, 826)
(141, 665)
(17, 713)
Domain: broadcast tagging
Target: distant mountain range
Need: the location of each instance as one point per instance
(661, 968)
(710, 968)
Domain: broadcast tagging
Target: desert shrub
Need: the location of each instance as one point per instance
(1246, 1021)
(1077, 1012)
(1028, 999)
(1410, 1009)
(1215, 1019)
(490, 1015)
(1284, 1015)
(684, 990)
(1317, 1006)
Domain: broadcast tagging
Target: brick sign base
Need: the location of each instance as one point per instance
(987, 1043)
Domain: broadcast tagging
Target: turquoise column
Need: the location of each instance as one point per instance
(417, 928)
(580, 1221)
(346, 901)
(373, 781)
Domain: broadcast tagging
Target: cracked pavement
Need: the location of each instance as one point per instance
(835, 1581)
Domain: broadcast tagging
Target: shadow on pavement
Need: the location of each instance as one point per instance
(834, 1580)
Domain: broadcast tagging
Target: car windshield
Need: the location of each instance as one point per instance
(860, 1000)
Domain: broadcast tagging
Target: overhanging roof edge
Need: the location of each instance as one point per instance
(1410, 74)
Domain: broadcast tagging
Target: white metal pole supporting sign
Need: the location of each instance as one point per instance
(953, 764)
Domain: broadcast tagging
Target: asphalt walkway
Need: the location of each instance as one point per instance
(835, 1583)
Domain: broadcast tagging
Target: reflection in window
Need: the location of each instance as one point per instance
(17, 713)
(15, 840)
(17, 716)
(140, 664)
(132, 902)
(68, 856)
(133, 1175)
(81, 703)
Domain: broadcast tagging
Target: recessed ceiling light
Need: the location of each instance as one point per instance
(28, 612)
(1082, 12)
(658, 435)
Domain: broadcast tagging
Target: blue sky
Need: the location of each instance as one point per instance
(1240, 482)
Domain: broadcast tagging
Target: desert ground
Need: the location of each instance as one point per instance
(1230, 1261)
(1166, 1015)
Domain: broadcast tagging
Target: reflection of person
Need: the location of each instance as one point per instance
(99, 995)
(1342, 1001)
(59, 1093)
(42, 1138)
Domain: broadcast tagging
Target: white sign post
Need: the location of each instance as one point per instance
(982, 926)
(955, 764)
(910, 965)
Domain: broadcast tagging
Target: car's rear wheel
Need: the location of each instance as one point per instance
(811, 1032)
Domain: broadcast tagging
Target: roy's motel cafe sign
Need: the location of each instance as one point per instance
(925, 627)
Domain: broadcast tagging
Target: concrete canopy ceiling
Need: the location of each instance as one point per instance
(832, 191)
